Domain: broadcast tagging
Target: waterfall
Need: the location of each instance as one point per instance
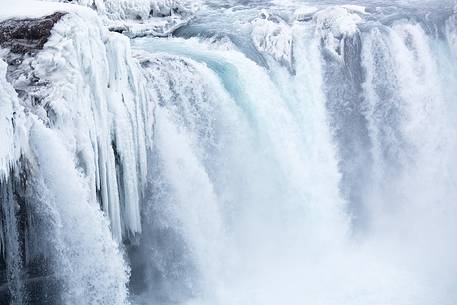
(265, 153)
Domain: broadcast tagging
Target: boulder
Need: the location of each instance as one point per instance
(23, 36)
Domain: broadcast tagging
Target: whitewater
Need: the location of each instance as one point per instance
(159, 152)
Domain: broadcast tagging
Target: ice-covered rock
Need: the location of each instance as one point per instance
(272, 36)
(333, 25)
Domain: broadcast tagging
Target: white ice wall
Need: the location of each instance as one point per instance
(96, 99)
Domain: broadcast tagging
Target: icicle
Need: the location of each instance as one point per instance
(109, 123)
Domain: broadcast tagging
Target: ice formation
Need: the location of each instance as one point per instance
(142, 17)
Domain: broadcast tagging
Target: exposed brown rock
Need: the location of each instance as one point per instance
(23, 36)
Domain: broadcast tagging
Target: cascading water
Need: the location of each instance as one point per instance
(268, 153)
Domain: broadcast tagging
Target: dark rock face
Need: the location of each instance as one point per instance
(23, 36)
(26, 264)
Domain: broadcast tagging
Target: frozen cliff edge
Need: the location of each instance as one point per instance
(76, 125)
(141, 17)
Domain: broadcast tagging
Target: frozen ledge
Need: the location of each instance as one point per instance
(135, 18)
